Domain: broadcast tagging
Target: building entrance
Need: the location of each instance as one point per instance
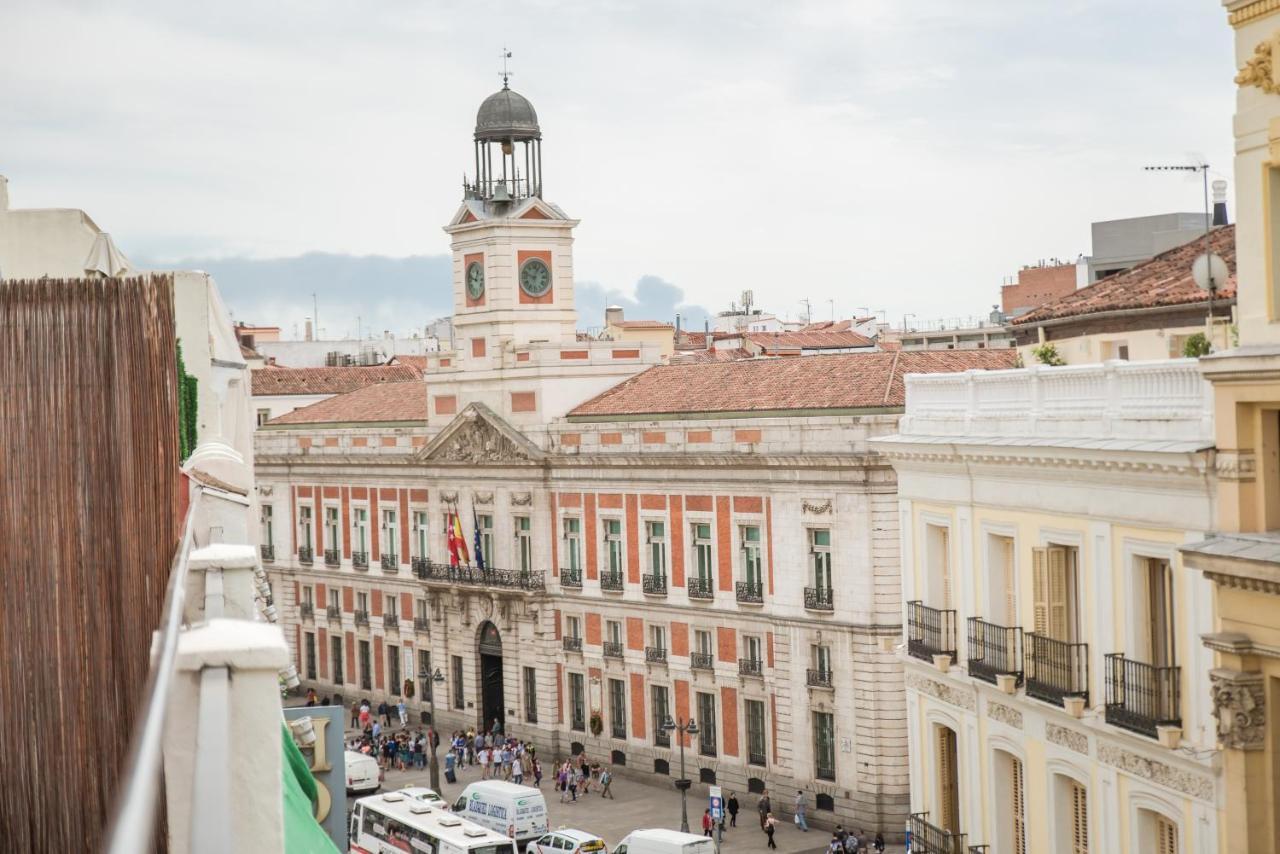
(491, 695)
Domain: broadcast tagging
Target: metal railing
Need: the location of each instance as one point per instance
(930, 631)
(508, 579)
(332, 557)
(421, 624)
(817, 678)
(819, 598)
(333, 612)
(611, 581)
(572, 644)
(307, 611)
(306, 554)
(360, 560)
(994, 651)
(612, 649)
(1055, 669)
(390, 562)
(654, 585)
(655, 654)
(701, 661)
(928, 838)
(267, 551)
(750, 667)
(751, 592)
(362, 618)
(416, 563)
(700, 588)
(661, 738)
(571, 578)
(1140, 696)
(391, 621)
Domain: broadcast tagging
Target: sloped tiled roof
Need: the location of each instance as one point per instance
(820, 340)
(418, 363)
(839, 381)
(730, 354)
(327, 380)
(1164, 281)
(390, 401)
(828, 326)
(641, 324)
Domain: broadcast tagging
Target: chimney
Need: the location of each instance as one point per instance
(677, 330)
(4, 193)
(706, 325)
(1219, 202)
(306, 333)
(612, 315)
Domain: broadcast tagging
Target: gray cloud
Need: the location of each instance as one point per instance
(654, 299)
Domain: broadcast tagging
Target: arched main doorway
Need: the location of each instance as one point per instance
(491, 700)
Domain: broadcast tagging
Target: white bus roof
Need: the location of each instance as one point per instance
(662, 834)
(448, 826)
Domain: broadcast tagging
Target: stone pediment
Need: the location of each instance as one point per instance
(478, 436)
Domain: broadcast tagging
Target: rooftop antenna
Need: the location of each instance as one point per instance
(506, 72)
(1211, 269)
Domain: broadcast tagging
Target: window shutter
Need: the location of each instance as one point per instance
(1058, 593)
(1040, 589)
(1019, 809)
(1166, 836)
(1010, 584)
(945, 540)
(947, 779)
(1079, 819)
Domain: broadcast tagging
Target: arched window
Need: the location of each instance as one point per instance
(617, 757)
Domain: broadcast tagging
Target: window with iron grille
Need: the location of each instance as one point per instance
(530, 695)
(661, 711)
(309, 639)
(754, 713)
(618, 708)
(824, 746)
(577, 702)
(707, 724)
(459, 702)
(425, 673)
(395, 684)
(335, 660)
(366, 674)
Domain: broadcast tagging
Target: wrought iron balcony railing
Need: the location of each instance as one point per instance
(655, 654)
(572, 644)
(750, 667)
(362, 618)
(307, 610)
(1055, 669)
(391, 621)
(612, 649)
(332, 557)
(571, 578)
(928, 838)
(654, 585)
(701, 661)
(268, 551)
(421, 624)
(507, 579)
(611, 581)
(418, 564)
(930, 631)
(360, 560)
(994, 651)
(306, 554)
(819, 598)
(700, 588)
(333, 612)
(1141, 697)
(750, 592)
(390, 562)
(817, 678)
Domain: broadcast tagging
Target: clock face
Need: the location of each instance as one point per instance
(475, 280)
(535, 278)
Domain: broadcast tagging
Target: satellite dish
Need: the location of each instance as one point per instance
(1209, 266)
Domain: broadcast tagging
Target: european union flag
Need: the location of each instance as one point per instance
(479, 551)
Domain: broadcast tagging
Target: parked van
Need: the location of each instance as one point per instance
(363, 773)
(661, 841)
(516, 811)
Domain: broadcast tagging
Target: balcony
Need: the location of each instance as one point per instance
(751, 592)
(819, 598)
(360, 561)
(362, 618)
(268, 552)
(572, 644)
(506, 579)
(700, 588)
(994, 651)
(612, 649)
(701, 661)
(307, 611)
(421, 624)
(654, 585)
(611, 581)
(390, 562)
(1142, 697)
(571, 578)
(418, 564)
(930, 632)
(750, 667)
(928, 838)
(391, 621)
(332, 557)
(333, 612)
(655, 654)
(818, 678)
(1056, 669)
(306, 555)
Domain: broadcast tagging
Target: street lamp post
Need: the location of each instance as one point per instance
(682, 729)
(430, 681)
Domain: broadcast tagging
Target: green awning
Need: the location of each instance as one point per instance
(302, 833)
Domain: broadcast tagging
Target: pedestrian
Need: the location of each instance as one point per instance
(879, 842)
(449, 762)
(606, 780)
(517, 772)
(537, 773)
(706, 822)
(764, 807)
(800, 812)
(484, 763)
(732, 806)
(836, 846)
(862, 840)
(311, 697)
(404, 713)
(770, 825)
(355, 714)
(377, 730)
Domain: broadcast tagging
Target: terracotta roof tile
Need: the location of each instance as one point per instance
(418, 363)
(327, 380)
(731, 354)
(817, 340)
(1164, 281)
(391, 401)
(838, 381)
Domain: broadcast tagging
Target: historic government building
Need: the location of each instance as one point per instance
(713, 540)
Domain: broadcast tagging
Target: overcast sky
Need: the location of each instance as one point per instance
(880, 154)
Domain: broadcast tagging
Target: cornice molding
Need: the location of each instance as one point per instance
(1252, 11)
(1196, 463)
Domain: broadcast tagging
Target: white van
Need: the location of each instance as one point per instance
(363, 773)
(661, 841)
(516, 811)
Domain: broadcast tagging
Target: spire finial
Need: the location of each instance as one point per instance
(506, 73)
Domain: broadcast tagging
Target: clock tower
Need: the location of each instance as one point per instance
(512, 250)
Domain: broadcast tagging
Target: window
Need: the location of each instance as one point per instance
(309, 596)
(1011, 825)
(1166, 836)
(524, 543)
(392, 608)
(425, 674)
(573, 542)
(389, 529)
(754, 710)
(1079, 824)
(335, 659)
(751, 646)
(1019, 808)
(360, 528)
(268, 525)
(420, 534)
(573, 627)
(824, 746)
(530, 695)
(577, 702)
(394, 683)
(331, 528)
(309, 643)
(613, 546)
(1054, 570)
(702, 642)
(749, 536)
(366, 677)
(661, 711)
(617, 708)
(362, 602)
(420, 610)
(707, 724)
(821, 657)
(1002, 601)
(264, 415)
(937, 540)
(655, 534)
(456, 663)
(702, 551)
(304, 526)
(1155, 604)
(948, 779)
(658, 637)
(485, 521)
(613, 631)
(335, 601)
(820, 557)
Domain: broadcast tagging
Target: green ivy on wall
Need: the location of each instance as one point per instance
(188, 402)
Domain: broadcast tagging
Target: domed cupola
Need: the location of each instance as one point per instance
(508, 123)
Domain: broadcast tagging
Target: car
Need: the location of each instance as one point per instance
(426, 796)
(567, 841)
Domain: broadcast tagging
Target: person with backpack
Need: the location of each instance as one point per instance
(606, 780)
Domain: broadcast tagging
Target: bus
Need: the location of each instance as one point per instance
(393, 822)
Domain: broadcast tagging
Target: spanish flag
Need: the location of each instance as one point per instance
(457, 535)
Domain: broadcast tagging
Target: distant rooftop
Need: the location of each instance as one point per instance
(381, 403)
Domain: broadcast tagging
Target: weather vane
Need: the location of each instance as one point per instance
(506, 54)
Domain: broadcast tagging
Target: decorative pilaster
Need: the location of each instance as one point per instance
(1240, 707)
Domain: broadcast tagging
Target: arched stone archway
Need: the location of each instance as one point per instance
(492, 702)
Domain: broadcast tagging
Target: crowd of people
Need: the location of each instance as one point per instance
(576, 776)
(500, 757)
